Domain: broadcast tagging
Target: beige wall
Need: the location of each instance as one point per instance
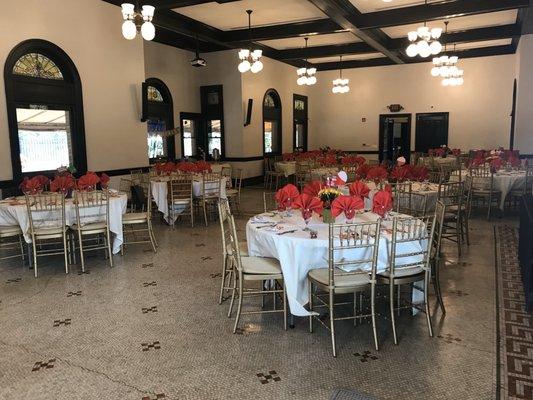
(172, 66)
(524, 106)
(479, 110)
(111, 70)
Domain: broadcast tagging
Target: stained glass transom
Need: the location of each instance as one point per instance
(154, 94)
(37, 66)
(299, 105)
(269, 101)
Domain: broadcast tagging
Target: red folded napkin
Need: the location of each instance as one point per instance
(515, 161)
(286, 196)
(362, 171)
(496, 164)
(308, 204)
(31, 186)
(289, 156)
(43, 180)
(312, 188)
(88, 181)
(347, 205)
(168, 167)
(419, 173)
(456, 152)
(377, 174)
(401, 173)
(104, 180)
(203, 166)
(62, 183)
(185, 166)
(353, 160)
(382, 202)
(359, 189)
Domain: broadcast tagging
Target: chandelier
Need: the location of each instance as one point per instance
(453, 77)
(250, 59)
(306, 76)
(138, 22)
(340, 85)
(424, 41)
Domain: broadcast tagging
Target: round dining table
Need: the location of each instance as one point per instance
(281, 236)
(13, 211)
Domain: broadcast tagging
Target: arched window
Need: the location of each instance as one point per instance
(272, 123)
(159, 116)
(45, 109)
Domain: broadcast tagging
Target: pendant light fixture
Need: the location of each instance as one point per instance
(306, 76)
(340, 85)
(453, 75)
(136, 21)
(250, 59)
(424, 41)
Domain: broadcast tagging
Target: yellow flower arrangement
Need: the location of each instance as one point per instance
(327, 195)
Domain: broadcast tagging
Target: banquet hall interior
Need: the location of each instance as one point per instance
(266, 199)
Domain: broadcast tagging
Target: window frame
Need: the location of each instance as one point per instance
(300, 117)
(26, 90)
(273, 114)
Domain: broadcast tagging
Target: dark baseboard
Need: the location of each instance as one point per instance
(243, 159)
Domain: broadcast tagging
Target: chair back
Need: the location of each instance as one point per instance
(269, 201)
(125, 186)
(451, 193)
(238, 180)
(231, 229)
(226, 173)
(408, 232)
(224, 212)
(46, 210)
(528, 185)
(419, 204)
(401, 193)
(211, 185)
(180, 188)
(435, 176)
(438, 222)
(482, 178)
(92, 206)
(353, 250)
(136, 175)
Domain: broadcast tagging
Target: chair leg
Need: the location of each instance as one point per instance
(65, 251)
(428, 312)
(284, 306)
(82, 258)
(354, 308)
(233, 290)
(373, 313)
(34, 257)
(332, 322)
(224, 272)
(436, 285)
(21, 249)
(205, 213)
(467, 231)
(108, 239)
(151, 236)
(391, 304)
(311, 307)
(239, 306)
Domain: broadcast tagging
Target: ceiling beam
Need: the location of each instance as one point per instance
(168, 4)
(434, 11)
(325, 51)
(344, 14)
(374, 62)
(283, 31)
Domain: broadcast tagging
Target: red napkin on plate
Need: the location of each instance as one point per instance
(401, 173)
(43, 180)
(312, 188)
(31, 186)
(377, 174)
(359, 189)
(515, 161)
(104, 180)
(308, 204)
(185, 166)
(362, 171)
(88, 181)
(496, 164)
(419, 173)
(456, 152)
(347, 205)
(382, 202)
(203, 166)
(286, 196)
(62, 183)
(168, 167)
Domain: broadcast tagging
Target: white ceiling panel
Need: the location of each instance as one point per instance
(314, 40)
(348, 57)
(266, 12)
(366, 6)
(486, 43)
(459, 23)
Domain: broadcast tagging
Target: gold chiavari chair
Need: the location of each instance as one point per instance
(351, 171)
(92, 223)
(401, 193)
(140, 224)
(211, 186)
(483, 188)
(269, 201)
(435, 176)
(271, 173)
(48, 228)
(467, 208)
(234, 194)
(125, 186)
(527, 187)
(410, 267)
(228, 263)
(436, 257)
(303, 174)
(451, 194)
(11, 241)
(180, 198)
(352, 249)
(419, 204)
(254, 269)
(136, 176)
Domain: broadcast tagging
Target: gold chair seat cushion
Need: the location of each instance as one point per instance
(403, 272)
(51, 232)
(95, 227)
(181, 202)
(243, 249)
(8, 231)
(231, 192)
(341, 279)
(135, 218)
(260, 266)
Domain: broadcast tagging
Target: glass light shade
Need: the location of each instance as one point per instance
(436, 60)
(335, 89)
(460, 81)
(256, 67)
(301, 80)
(244, 53)
(345, 82)
(445, 82)
(148, 31)
(436, 33)
(336, 82)
(244, 66)
(454, 59)
(435, 47)
(301, 71)
(256, 54)
(311, 80)
(444, 59)
(148, 12)
(128, 10)
(412, 36)
(412, 50)
(311, 71)
(423, 49)
(423, 31)
(346, 89)
(435, 71)
(129, 30)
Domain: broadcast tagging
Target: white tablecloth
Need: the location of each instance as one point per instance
(160, 192)
(449, 161)
(217, 167)
(11, 214)
(286, 167)
(298, 254)
(318, 173)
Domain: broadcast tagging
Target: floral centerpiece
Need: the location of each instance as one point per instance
(327, 196)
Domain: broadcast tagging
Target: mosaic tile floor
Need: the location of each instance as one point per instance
(151, 328)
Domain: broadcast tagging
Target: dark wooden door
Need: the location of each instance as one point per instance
(431, 131)
(394, 137)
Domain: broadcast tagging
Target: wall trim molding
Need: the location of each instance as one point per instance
(243, 159)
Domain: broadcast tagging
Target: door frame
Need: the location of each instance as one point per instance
(447, 114)
(382, 118)
(300, 116)
(199, 128)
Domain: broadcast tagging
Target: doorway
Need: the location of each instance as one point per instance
(431, 131)
(394, 137)
(299, 113)
(191, 134)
